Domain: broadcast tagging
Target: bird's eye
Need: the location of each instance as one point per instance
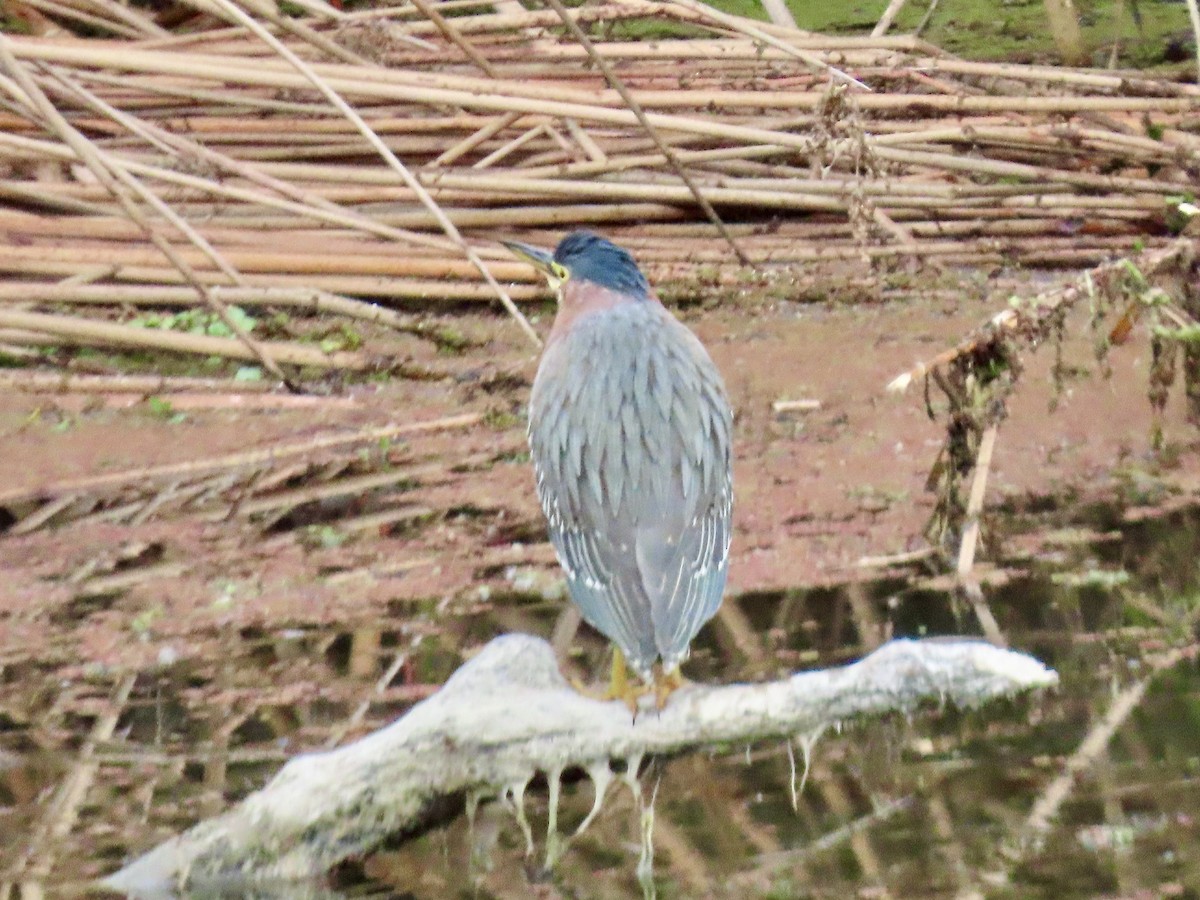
(559, 271)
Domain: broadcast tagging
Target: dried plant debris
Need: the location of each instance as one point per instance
(974, 380)
(342, 159)
(311, 482)
(975, 388)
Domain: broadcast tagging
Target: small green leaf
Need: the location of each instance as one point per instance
(1134, 273)
(144, 621)
(162, 409)
(323, 537)
(159, 406)
(241, 318)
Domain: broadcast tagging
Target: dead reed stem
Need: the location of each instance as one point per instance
(86, 332)
(427, 201)
(245, 460)
(632, 104)
(250, 153)
(970, 539)
(145, 385)
(120, 184)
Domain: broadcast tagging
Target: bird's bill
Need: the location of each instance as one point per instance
(538, 258)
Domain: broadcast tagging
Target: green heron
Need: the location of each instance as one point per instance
(629, 428)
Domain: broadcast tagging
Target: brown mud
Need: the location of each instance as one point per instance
(817, 490)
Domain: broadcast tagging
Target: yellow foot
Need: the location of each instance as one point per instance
(665, 684)
(619, 685)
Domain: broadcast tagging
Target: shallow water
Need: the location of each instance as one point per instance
(98, 766)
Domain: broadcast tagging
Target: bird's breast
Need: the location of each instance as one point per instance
(628, 417)
(580, 299)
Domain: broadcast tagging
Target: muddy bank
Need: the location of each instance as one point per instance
(818, 488)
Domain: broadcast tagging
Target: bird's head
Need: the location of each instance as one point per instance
(583, 256)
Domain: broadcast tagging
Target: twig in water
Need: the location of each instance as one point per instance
(895, 559)
(61, 812)
(970, 538)
(338, 734)
(771, 862)
(1038, 822)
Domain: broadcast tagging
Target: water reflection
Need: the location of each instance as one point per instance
(94, 769)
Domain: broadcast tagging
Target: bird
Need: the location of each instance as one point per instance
(630, 432)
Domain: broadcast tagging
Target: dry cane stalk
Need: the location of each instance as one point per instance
(635, 107)
(1003, 144)
(146, 385)
(751, 29)
(181, 144)
(117, 182)
(332, 96)
(970, 539)
(308, 300)
(452, 34)
(244, 460)
(69, 329)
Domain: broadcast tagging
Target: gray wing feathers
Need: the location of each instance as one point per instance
(636, 492)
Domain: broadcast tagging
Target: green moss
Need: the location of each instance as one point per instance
(338, 338)
(161, 408)
(501, 419)
(197, 321)
(450, 340)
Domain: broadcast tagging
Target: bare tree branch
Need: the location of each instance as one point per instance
(509, 714)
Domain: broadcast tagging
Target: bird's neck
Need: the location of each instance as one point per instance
(579, 297)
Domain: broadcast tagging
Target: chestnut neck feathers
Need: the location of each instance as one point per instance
(602, 276)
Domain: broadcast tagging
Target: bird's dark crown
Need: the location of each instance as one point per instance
(589, 257)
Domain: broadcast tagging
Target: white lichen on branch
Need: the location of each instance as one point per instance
(509, 714)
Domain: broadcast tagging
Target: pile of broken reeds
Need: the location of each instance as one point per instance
(219, 154)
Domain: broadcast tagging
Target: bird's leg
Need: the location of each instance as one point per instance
(618, 681)
(665, 684)
(619, 687)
